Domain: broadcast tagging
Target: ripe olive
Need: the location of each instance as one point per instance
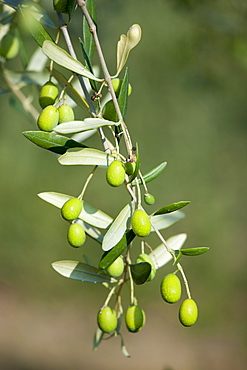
(116, 268)
(188, 312)
(61, 6)
(134, 318)
(66, 113)
(48, 94)
(115, 173)
(145, 258)
(48, 118)
(149, 199)
(71, 209)
(9, 46)
(130, 167)
(116, 83)
(76, 235)
(170, 288)
(107, 319)
(109, 111)
(141, 224)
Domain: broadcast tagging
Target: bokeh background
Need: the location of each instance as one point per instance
(188, 107)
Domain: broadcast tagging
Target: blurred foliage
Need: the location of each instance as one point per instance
(188, 107)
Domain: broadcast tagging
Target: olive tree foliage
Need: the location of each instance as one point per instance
(75, 81)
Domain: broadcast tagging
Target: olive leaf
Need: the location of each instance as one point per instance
(27, 77)
(194, 251)
(140, 272)
(91, 231)
(171, 207)
(160, 256)
(70, 90)
(163, 221)
(125, 44)
(110, 256)
(50, 141)
(87, 156)
(79, 126)
(89, 214)
(81, 271)
(36, 29)
(61, 57)
(117, 228)
(39, 13)
(97, 338)
(71, 6)
(88, 40)
(151, 175)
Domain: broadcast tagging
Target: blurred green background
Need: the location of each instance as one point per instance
(188, 107)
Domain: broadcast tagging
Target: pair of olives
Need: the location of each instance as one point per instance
(51, 116)
(70, 211)
(170, 289)
(134, 319)
(116, 171)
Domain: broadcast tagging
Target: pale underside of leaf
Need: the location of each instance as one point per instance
(160, 256)
(81, 271)
(61, 57)
(92, 157)
(79, 126)
(89, 214)
(125, 44)
(160, 222)
(117, 228)
(91, 231)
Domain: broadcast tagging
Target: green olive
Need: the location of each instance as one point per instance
(145, 258)
(71, 209)
(66, 113)
(109, 111)
(48, 94)
(48, 118)
(134, 318)
(107, 319)
(116, 268)
(188, 312)
(9, 46)
(130, 168)
(76, 235)
(61, 6)
(170, 288)
(116, 83)
(115, 173)
(141, 224)
(149, 199)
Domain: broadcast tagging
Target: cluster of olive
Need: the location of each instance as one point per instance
(51, 116)
(170, 290)
(70, 211)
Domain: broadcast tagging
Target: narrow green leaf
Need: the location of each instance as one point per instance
(53, 142)
(79, 126)
(140, 272)
(36, 29)
(160, 256)
(61, 57)
(89, 214)
(13, 3)
(116, 251)
(125, 44)
(38, 13)
(171, 207)
(71, 6)
(88, 39)
(151, 175)
(117, 228)
(86, 156)
(163, 221)
(97, 338)
(178, 255)
(123, 94)
(194, 251)
(123, 348)
(89, 65)
(81, 271)
(135, 173)
(70, 90)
